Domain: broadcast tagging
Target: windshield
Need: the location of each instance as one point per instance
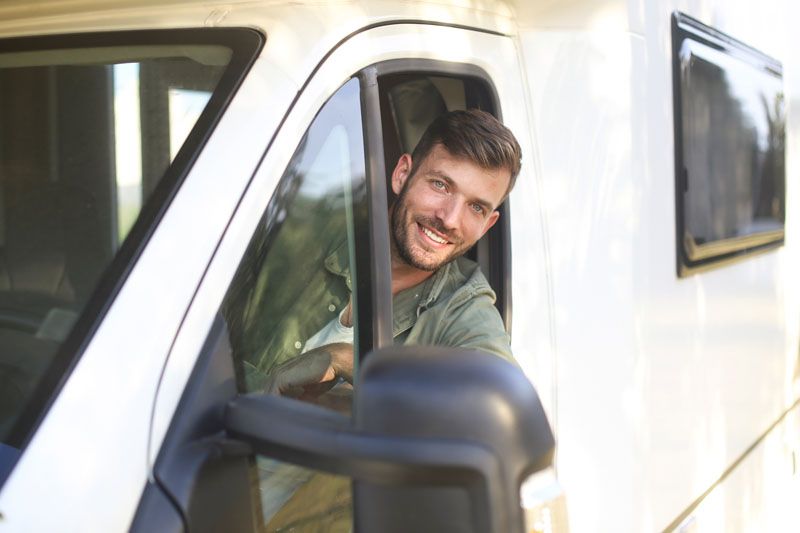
(87, 134)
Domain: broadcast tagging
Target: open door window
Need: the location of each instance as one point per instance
(412, 93)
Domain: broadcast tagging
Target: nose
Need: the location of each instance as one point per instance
(450, 211)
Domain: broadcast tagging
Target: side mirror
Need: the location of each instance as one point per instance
(440, 440)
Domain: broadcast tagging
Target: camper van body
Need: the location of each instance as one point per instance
(672, 394)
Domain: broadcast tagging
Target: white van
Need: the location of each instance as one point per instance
(169, 171)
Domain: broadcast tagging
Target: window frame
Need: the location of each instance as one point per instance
(494, 249)
(718, 253)
(245, 45)
(375, 229)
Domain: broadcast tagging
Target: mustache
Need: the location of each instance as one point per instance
(438, 225)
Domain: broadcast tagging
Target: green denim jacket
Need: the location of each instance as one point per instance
(454, 307)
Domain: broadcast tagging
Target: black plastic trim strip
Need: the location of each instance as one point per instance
(245, 45)
(688, 511)
(379, 301)
(723, 42)
(195, 439)
(684, 26)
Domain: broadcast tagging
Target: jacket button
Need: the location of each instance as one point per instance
(298, 345)
(331, 308)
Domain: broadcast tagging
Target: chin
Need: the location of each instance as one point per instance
(425, 262)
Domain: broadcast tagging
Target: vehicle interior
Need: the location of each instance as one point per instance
(65, 207)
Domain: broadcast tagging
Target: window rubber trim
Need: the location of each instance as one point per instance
(690, 258)
(245, 45)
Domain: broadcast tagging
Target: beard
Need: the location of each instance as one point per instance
(402, 224)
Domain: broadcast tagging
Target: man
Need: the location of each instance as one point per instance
(448, 192)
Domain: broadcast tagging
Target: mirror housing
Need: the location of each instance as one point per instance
(440, 439)
(445, 394)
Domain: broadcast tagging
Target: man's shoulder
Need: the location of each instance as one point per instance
(467, 282)
(465, 315)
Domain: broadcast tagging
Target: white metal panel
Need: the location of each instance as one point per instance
(761, 493)
(581, 93)
(569, 15)
(86, 466)
(662, 382)
(306, 28)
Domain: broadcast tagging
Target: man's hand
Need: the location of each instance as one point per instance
(313, 373)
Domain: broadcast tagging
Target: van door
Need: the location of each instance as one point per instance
(311, 230)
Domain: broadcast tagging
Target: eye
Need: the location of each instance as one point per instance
(439, 184)
(478, 208)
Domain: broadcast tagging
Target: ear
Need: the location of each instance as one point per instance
(401, 173)
(490, 221)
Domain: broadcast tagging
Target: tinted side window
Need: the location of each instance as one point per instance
(730, 131)
(89, 128)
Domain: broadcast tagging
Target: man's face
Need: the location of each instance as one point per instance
(444, 208)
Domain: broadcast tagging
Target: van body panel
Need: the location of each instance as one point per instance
(761, 479)
(673, 400)
(688, 360)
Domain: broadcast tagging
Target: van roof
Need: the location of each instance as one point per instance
(38, 17)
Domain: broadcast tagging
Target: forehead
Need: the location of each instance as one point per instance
(486, 184)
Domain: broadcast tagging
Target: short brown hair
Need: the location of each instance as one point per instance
(475, 135)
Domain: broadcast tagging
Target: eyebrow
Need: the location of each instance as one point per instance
(444, 177)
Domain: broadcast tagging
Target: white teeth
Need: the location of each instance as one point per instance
(433, 236)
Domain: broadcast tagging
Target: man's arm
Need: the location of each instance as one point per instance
(317, 370)
(312, 373)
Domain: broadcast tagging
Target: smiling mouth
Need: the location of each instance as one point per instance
(433, 236)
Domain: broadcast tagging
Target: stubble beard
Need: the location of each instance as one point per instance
(401, 221)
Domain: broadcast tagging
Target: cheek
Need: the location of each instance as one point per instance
(473, 228)
(422, 203)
